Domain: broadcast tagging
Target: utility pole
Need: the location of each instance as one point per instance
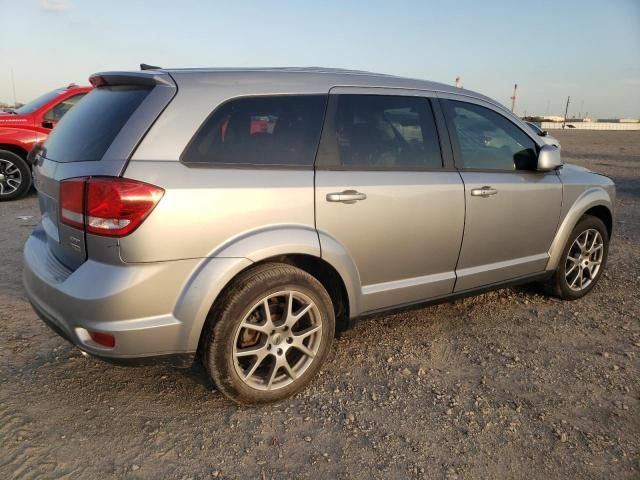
(513, 98)
(13, 84)
(566, 112)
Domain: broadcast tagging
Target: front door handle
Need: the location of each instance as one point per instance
(483, 192)
(348, 196)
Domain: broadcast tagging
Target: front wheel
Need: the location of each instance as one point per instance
(269, 334)
(15, 176)
(583, 260)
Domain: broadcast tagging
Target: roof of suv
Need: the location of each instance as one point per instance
(327, 77)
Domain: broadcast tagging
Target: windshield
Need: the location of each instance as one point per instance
(38, 102)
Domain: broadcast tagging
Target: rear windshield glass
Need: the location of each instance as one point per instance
(87, 131)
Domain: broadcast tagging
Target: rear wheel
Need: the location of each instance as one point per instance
(582, 261)
(15, 176)
(269, 334)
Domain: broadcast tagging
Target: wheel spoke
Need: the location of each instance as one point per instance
(262, 328)
(303, 348)
(257, 362)
(288, 369)
(575, 265)
(293, 319)
(305, 333)
(272, 374)
(249, 351)
(595, 249)
(575, 279)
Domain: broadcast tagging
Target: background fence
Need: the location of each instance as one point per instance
(592, 126)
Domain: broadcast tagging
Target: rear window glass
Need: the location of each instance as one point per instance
(272, 131)
(87, 130)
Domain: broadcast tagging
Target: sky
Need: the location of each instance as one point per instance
(589, 50)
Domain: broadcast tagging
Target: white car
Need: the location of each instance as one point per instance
(544, 135)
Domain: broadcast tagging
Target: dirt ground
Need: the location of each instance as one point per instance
(509, 384)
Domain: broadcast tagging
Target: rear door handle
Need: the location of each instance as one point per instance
(483, 192)
(348, 196)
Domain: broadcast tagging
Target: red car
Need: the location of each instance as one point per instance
(23, 128)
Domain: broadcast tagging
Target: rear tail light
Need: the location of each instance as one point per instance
(72, 202)
(110, 206)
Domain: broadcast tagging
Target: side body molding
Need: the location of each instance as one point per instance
(592, 197)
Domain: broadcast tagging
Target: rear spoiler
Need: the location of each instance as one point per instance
(146, 78)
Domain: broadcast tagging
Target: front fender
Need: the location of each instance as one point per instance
(592, 197)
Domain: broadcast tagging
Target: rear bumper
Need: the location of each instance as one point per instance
(132, 302)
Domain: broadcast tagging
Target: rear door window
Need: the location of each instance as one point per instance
(258, 131)
(87, 130)
(381, 132)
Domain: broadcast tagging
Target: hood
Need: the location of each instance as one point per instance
(575, 168)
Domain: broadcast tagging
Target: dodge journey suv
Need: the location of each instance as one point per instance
(241, 217)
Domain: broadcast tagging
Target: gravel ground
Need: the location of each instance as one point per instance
(509, 384)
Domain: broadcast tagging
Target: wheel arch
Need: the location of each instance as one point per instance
(593, 201)
(15, 149)
(300, 248)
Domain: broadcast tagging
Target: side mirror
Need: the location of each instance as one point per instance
(549, 158)
(47, 124)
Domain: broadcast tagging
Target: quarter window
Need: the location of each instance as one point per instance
(487, 140)
(379, 132)
(279, 130)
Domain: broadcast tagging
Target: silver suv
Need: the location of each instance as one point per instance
(241, 217)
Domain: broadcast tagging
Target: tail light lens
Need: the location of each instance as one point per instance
(110, 206)
(103, 339)
(71, 202)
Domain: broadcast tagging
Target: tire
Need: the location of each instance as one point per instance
(565, 283)
(15, 176)
(238, 325)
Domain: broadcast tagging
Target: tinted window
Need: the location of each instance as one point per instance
(382, 132)
(57, 112)
(87, 130)
(38, 102)
(487, 140)
(281, 130)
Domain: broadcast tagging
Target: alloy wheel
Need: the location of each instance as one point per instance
(584, 260)
(10, 177)
(277, 340)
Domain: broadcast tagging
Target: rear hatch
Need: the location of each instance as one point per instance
(95, 138)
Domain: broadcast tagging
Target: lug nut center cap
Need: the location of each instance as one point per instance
(277, 339)
(2, 177)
